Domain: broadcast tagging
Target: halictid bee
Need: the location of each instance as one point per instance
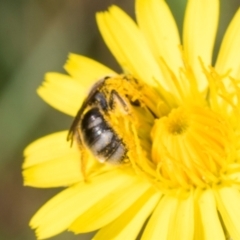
(92, 128)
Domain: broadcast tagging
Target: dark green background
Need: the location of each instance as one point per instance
(36, 37)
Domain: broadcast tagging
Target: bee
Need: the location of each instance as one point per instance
(92, 127)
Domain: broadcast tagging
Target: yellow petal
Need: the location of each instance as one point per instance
(59, 213)
(228, 200)
(129, 224)
(183, 219)
(208, 219)
(62, 171)
(161, 220)
(229, 57)
(86, 70)
(159, 27)
(200, 26)
(63, 93)
(49, 157)
(128, 45)
(49, 147)
(110, 207)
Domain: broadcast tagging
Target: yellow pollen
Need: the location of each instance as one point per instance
(191, 147)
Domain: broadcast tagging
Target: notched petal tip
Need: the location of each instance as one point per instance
(62, 92)
(62, 171)
(85, 70)
(46, 148)
(60, 212)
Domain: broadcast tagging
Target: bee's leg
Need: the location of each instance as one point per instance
(83, 162)
(116, 99)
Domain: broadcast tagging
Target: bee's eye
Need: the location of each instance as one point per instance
(100, 100)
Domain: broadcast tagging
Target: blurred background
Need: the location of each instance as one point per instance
(36, 37)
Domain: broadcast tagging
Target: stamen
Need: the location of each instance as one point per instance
(191, 146)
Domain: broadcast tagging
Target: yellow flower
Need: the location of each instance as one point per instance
(184, 173)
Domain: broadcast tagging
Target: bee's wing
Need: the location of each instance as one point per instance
(77, 119)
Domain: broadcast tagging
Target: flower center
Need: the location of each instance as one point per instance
(191, 147)
(177, 122)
